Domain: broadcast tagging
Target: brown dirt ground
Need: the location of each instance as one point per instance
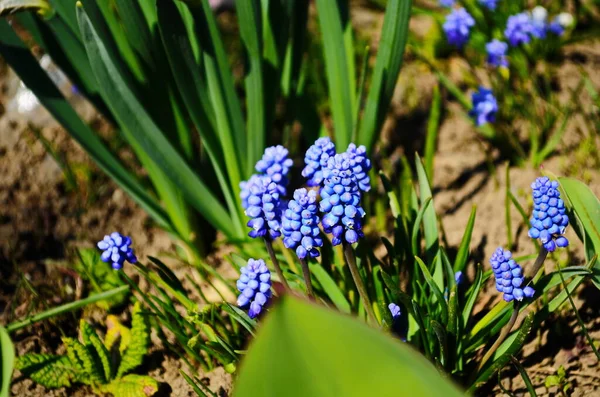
(41, 221)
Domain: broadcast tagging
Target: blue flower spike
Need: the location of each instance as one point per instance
(255, 286)
(300, 224)
(340, 201)
(264, 209)
(116, 250)
(485, 107)
(549, 219)
(276, 165)
(316, 160)
(509, 276)
(458, 26)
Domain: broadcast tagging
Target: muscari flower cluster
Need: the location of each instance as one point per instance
(549, 220)
(255, 286)
(300, 224)
(484, 108)
(509, 276)
(457, 27)
(340, 201)
(116, 250)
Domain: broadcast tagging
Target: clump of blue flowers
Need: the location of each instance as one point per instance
(549, 218)
(340, 201)
(457, 27)
(484, 108)
(300, 224)
(509, 276)
(255, 286)
(316, 159)
(519, 29)
(496, 51)
(116, 250)
(276, 165)
(264, 209)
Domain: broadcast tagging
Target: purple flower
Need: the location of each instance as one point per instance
(300, 224)
(264, 209)
(489, 4)
(316, 159)
(549, 218)
(340, 201)
(509, 276)
(484, 108)
(276, 165)
(255, 286)
(496, 51)
(457, 27)
(519, 29)
(116, 250)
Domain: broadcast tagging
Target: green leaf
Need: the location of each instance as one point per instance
(586, 206)
(132, 386)
(47, 369)
(16, 53)
(138, 346)
(387, 68)
(7, 353)
(303, 350)
(135, 119)
(333, 15)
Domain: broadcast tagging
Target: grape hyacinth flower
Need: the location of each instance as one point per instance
(518, 29)
(300, 224)
(489, 4)
(116, 250)
(485, 107)
(447, 3)
(316, 159)
(276, 165)
(457, 27)
(264, 209)
(509, 276)
(549, 220)
(255, 286)
(246, 187)
(340, 201)
(496, 51)
(361, 165)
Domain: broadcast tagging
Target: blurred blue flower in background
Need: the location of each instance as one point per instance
(509, 276)
(300, 224)
(457, 26)
(484, 108)
(116, 250)
(549, 218)
(496, 51)
(255, 286)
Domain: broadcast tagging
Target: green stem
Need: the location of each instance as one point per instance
(68, 307)
(307, 281)
(275, 261)
(362, 291)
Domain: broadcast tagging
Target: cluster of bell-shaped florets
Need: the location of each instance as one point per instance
(509, 276)
(340, 201)
(116, 250)
(300, 224)
(316, 158)
(255, 286)
(264, 209)
(549, 218)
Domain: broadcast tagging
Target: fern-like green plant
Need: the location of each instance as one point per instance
(104, 365)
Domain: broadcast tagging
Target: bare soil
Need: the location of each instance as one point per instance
(41, 221)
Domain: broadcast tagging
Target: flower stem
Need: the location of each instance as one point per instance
(306, 274)
(278, 270)
(351, 260)
(505, 331)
